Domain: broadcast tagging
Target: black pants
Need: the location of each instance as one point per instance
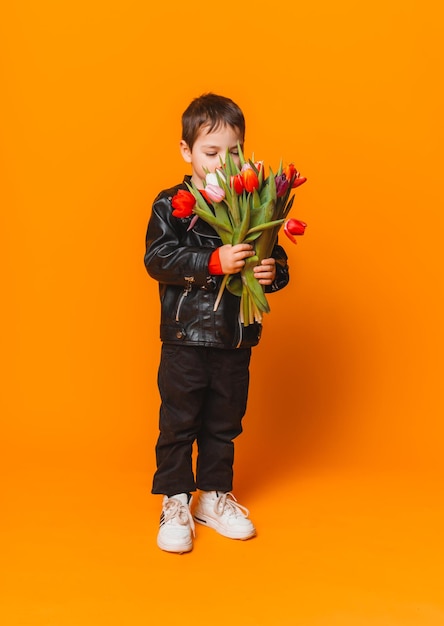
(203, 398)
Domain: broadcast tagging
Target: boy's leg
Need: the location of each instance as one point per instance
(182, 380)
(221, 417)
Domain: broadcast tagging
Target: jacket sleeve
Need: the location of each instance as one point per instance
(167, 258)
(282, 270)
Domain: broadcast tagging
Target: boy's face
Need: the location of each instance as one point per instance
(209, 149)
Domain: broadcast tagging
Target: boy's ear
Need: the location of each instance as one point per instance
(185, 151)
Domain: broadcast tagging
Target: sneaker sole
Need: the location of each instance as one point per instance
(212, 523)
(176, 549)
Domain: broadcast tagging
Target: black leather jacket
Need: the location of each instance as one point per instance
(178, 259)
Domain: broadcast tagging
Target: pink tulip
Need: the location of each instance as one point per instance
(214, 193)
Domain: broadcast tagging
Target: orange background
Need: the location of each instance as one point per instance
(341, 460)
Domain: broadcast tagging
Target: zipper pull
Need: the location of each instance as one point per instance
(189, 286)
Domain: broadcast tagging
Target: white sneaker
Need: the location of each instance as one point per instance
(222, 512)
(176, 529)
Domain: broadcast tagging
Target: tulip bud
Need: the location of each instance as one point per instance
(299, 180)
(237, 183)
(214, 193)
(293, 176)
(281, 185)
(290, 171)
(183, 203)
(259, 165)
(251, 181)
(211, 179)
(294, 228)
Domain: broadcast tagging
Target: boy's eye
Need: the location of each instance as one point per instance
(210, 154)
(235, 152)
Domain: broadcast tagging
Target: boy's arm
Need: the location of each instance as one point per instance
(167, 260)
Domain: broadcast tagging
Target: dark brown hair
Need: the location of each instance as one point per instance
(212, 111)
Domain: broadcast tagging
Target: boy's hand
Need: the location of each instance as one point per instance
(265, 272)
(232, 258)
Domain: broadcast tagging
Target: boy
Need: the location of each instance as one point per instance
(204, 368)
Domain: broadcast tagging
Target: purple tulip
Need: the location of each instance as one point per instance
(282, 184)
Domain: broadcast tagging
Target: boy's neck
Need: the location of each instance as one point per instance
(197, 181)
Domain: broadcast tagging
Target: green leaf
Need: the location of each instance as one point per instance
(252, 236)
(254, 287)
(230, 166)
(243, 226)
(222, 215)
(272, 185)
(234, 284)
(241, 154)
(218, 220)
(256, 199)
(265, 226)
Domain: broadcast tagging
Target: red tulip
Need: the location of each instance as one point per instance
(183, 203)
(292, 228)
(299, 180)
(237, 183)
(251, 181)
(293, 176)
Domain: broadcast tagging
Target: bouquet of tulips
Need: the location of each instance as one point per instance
(244, 205)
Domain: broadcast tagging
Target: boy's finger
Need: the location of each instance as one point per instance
(243, 247)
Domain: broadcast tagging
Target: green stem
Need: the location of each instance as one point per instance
(221, 290)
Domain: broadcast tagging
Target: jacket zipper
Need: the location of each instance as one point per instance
(186, 291)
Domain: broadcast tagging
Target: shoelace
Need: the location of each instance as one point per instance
(174, 509)
(227, 503)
